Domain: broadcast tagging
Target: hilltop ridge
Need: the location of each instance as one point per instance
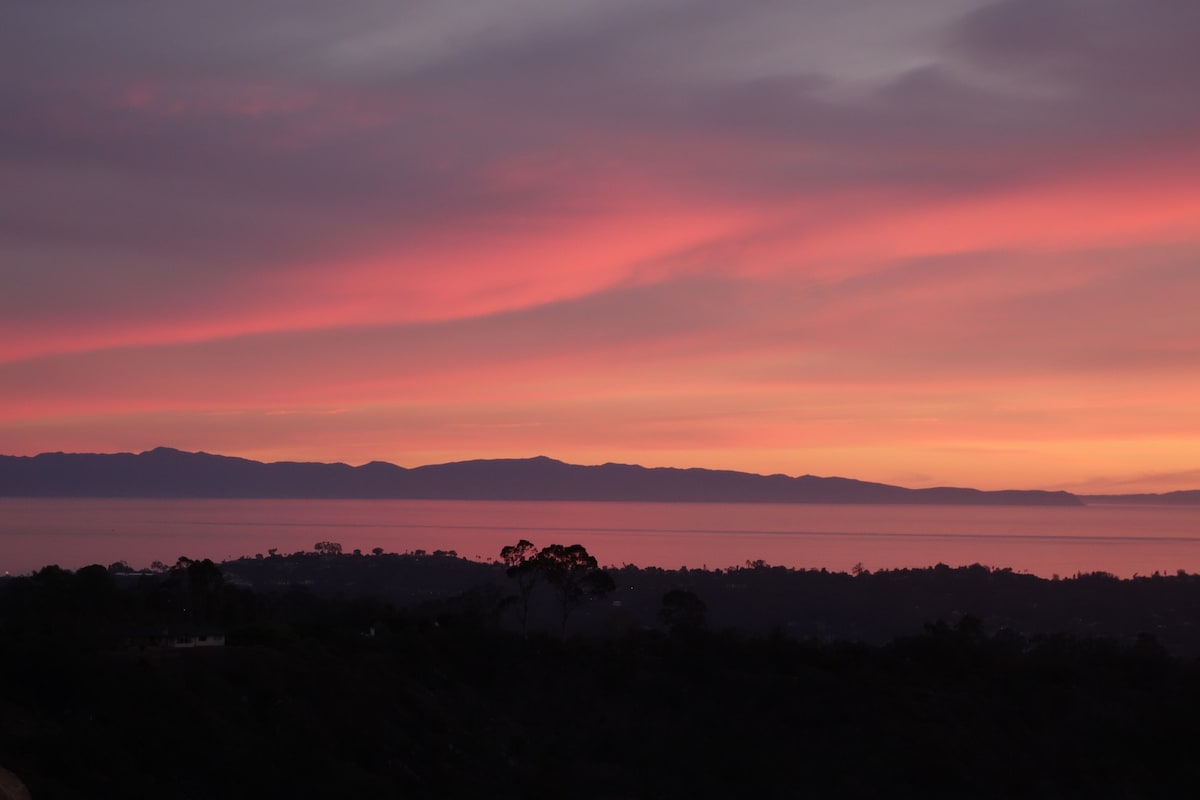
(167, 472)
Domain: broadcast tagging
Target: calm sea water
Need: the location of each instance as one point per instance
(1120, 539)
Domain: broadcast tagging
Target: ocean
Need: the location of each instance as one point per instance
(1121, 539)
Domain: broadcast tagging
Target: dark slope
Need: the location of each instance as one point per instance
(164, 472)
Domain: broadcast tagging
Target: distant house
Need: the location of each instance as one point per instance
(199, 640)
(176, 638)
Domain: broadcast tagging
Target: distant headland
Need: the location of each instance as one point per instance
(168, 473)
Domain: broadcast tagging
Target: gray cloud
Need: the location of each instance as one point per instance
(187, 146)
(1119, 67)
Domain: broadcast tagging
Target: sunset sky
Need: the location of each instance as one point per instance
(932, 242)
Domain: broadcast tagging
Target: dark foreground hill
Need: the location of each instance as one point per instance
(335, 696)
(164, 472)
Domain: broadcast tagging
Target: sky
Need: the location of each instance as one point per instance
(938, 242)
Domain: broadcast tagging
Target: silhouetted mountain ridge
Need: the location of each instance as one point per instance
(1190, 497)
(166, 472)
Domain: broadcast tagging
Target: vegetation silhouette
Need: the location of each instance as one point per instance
(325, 686)
(520, 561)
(576, 577)
(683, 612)
(571, 570)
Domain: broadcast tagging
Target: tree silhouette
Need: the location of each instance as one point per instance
(575, 575)
(522, 566)
(682, 611)
(194, 589)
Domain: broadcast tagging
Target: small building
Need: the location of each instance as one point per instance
(197, 639)
(175, 638)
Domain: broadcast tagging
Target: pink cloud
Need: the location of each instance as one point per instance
(710, 240)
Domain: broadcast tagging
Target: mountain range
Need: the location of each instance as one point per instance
(168, 473)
